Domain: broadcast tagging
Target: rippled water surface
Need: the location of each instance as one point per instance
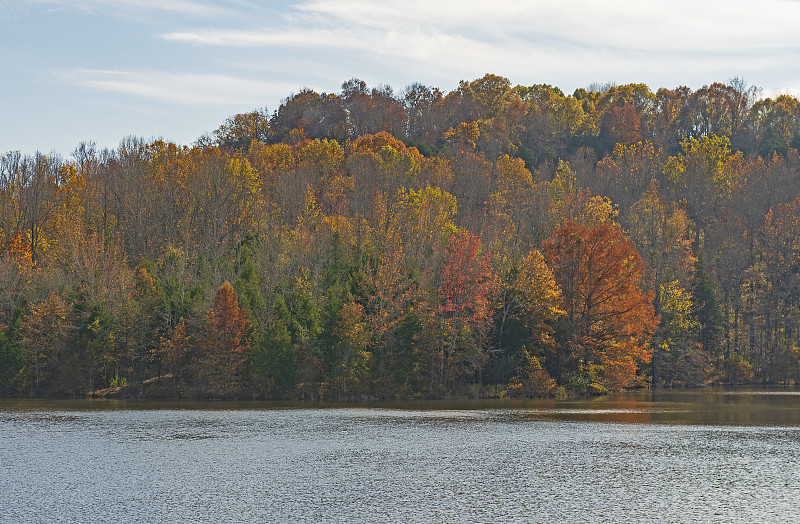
(675, 457)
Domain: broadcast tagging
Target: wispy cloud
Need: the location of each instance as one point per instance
(267, 38)
(651, 25)
(147, 61)
(561, 38)
(176, 88)
(194, 8)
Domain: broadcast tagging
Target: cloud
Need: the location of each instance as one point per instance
(197, 58)
(267, 38)
(192, 8)
(651, 25)
(571, 38)
(185, 89)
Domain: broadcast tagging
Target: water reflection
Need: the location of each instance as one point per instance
(678, 456)
(753, 406)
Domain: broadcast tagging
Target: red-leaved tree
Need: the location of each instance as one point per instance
(466, 284)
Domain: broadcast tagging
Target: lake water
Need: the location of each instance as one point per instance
(678, 456)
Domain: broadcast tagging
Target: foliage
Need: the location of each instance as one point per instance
(608, 318)
(464, 292)
(411, 244)
(225, 345)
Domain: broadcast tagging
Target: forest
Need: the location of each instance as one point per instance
(493, 241)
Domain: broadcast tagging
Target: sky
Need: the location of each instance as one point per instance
(102, 70)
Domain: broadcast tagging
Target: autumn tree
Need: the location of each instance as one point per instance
(44, 336)
(224, 195)
(225, 344)
(488, 96)
(238, 131)
(466, 284)
(551, 119)
(661, 232)
(637, 97)
(420, 102)
(625, 173)
(392, 293)
(425, 222)
(705, 175)
(604, 335)
(535, 300)
(316, 115)
(512, 226)
(101, 311)
(772, 294)
(379, 165)
(621, 125)
(775, 124)
(678, 356)
(539, 298)
(132, 194)
(17, 274)
(353, 336)
(672, 120)
(719, 109)
(175, 353)
(41, 177)
(510, 205)
(11, 190)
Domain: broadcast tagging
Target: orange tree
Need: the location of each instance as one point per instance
(225, 346)
(604, 335)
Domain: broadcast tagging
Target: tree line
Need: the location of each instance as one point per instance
(496, 240)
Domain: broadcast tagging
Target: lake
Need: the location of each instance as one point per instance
(673, 456)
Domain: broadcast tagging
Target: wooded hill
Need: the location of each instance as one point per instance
(496, 240)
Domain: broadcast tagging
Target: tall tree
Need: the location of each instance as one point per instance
(44, 335)
(225, 345)
(608, 319)
(466, 284)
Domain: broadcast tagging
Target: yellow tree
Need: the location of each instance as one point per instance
(626, 173)
(425, 220)
(536, 300)
(551, 119)
(238, 131)
(679, 357)
(354, 335)
(539, 297)
(17, 274)
(511, 228)
(224, 195)
(380, 165)
(488, 96)
(705, 176)
(510, 202)
(660, 231)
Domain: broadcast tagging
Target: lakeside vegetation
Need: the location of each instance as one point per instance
(496, 240)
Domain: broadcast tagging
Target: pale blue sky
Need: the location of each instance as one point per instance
(73, 70)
